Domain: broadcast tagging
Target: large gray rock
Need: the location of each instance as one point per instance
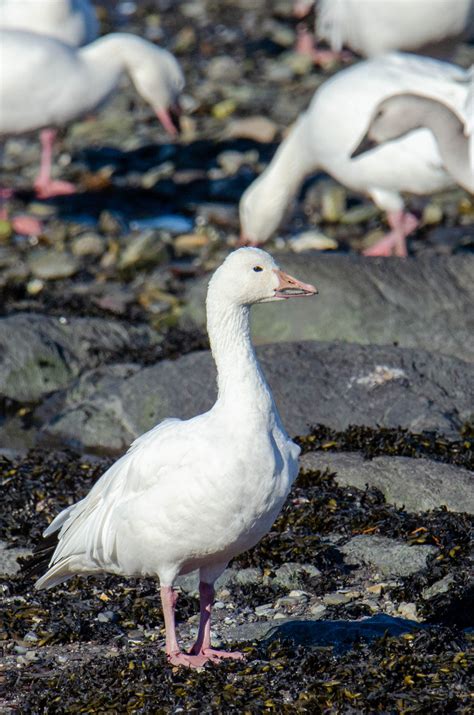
(416, 484)
(335, 384)
(341, 634)
(387, 556)
(421, 302)
(40, 354)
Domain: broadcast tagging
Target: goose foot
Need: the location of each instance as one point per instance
(394, 243)
(305, 45)
(51, 188)
(26, 225)
(22, 224)
(215, 655)
(188, 660)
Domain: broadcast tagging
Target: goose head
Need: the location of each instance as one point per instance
(394, 117)
(158, 78)
(250, 275)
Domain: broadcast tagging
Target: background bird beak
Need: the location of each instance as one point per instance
(366, 144)
(289, 287)
(170, 119)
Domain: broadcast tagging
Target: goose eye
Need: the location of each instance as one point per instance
(257, 269)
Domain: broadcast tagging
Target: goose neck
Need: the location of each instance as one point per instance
(240, 380)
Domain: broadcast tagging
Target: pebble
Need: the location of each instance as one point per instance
(408, 610)
(337, 599)
(89, 244)
(6, 231)
(318, 610)
(157, 173)
(52, 265)
(145, 249)
(333, 203)
(223, 69)
(166, 222)
(359, 214)
(312, 241)
(35, 286)
(298, 63)
(259, 128)
(298, 595)
(185, 40)
(265, 609)
(224, 109)
(189, 243)
(432, 214)
(441, 586)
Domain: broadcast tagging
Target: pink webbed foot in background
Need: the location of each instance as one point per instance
(305, 45)
(49, 189)
(394, 243)
(26, 225)
(45, 186)
(22, 224)
(213, 654)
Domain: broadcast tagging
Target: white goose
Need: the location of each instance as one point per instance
(403, 113)
(325, 136)
(71, 21)
(46, 83)
(193, 494)
(374, 27)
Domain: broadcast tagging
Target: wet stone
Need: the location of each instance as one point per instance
(51, 265)
(387, 556)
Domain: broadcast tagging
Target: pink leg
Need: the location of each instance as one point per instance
(23, 224)
(203, 642)
(45, 186)
(173, 652)
(305, 45)
(394, 243)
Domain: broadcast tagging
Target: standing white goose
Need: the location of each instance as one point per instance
(193, 494)
(46, 83)
(325, 136)
(403, 113)
(374, 27)
(71, 21)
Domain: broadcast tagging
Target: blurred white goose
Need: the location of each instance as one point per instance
(46, 83)
(71, 21)
(398, 115)
(325, 136)
(193, 494)
(374, 27)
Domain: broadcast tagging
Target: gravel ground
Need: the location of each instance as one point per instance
(355, 602)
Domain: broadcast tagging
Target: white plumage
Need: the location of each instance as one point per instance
(47, 83)
(193, 494)
(325, 136)
(402, 113)
(71, 21)
(374, 27)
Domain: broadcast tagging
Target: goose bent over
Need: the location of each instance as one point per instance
(403, 113)
(325, 136)
(193, 494)
(46, 83)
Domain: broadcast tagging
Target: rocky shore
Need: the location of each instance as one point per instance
(360, 598)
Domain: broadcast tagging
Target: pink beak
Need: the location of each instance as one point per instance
(289, 287)
(169, 118)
